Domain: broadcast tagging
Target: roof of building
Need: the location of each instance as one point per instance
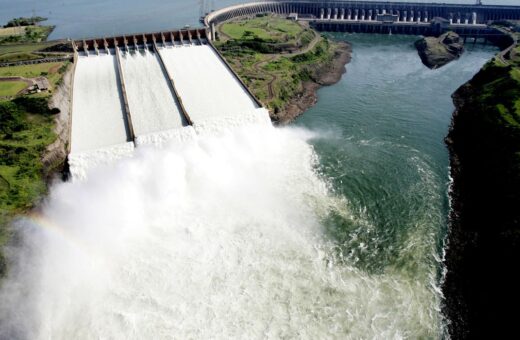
(42, 83)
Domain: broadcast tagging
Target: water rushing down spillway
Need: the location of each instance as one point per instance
(152, 104)
(98, 118)
(208, 89)
(213, 98)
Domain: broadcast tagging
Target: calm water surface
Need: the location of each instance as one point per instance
(93, 18)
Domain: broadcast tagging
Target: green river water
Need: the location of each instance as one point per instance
(382, 131)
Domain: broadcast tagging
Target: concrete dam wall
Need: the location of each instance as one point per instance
(371, 11)
(129, 91)
(379, 17)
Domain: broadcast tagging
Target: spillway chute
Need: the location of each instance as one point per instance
(151, 91)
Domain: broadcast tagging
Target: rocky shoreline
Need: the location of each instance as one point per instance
(323, 75)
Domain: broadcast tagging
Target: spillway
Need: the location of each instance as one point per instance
(98, 118)
(152, 103)
(208, 89)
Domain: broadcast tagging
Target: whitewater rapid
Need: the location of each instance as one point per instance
(219, 236)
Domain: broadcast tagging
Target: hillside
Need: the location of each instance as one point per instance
(481, 286)
(283, 62)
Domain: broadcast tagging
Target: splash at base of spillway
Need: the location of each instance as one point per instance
(220, 236)
(81, 163)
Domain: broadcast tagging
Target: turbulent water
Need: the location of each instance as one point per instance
(206, 86)
(332, 228)
(151, 102)
(222, 236)
(96, 81)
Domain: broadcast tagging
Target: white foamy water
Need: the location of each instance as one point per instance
(177, 136)
(97, 113)
(207, 88)
(150, 99)
(217, 237)
(81, 163)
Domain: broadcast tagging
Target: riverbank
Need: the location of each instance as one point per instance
(33, 141)
(325, 74)
(481, 286)
(282, 62)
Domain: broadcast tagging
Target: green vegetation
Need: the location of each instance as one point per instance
(502, 94)
(27, 71)
(22, 37)
(28, 34)
(26, 123)
(25, 48)
(25, 132)
(267, 28)
(12, 31)
(11, 88)
(25, 21)
(26, 129)
(274, 57)
(18, 52)
(500, 86)
(52, 71)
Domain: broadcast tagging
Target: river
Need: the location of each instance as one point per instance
(382, 129)
(333, 227)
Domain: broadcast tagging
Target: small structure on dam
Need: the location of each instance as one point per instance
(142, 89)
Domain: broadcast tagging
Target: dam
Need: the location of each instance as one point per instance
(153, 87)
(149, 89)
(414, 18)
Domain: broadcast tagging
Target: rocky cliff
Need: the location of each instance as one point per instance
(436, 52)
(482, 286)
(54, 158)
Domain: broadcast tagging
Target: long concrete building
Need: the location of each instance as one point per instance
(379, 17)
(372, 11)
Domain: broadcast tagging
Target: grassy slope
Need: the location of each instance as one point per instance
(11, 88)
(21, 43)
(274, 79)
(30, 34)
(27, 71)
(7, 31)
(17, 52)
(26, 131)
(26, 123)
(266, 28)
(52, 71)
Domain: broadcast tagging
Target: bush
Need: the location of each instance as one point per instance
(11, 118)
(34, 105)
